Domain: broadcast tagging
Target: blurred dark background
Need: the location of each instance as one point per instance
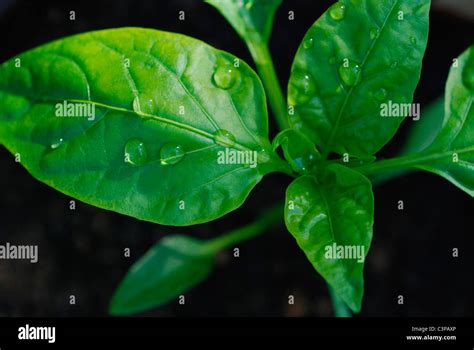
(81, 251)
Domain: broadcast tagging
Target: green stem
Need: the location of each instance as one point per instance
(405, 162)
(263, 60)
(339, 307)
(270, 218)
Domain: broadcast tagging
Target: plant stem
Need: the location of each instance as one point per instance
(270, 218)
(263, 60)
(339, 307)
(405, 162)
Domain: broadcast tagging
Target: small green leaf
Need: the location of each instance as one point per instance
(252, 19)
(451, 154)
(298, 150)
(171, 267)
(356, 58)
(330, 217)
(155, 125)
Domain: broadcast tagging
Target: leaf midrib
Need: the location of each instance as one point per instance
(351, 90)
(164, 120)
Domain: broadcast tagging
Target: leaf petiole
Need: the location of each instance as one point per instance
(339, 307)
(410, 161)
(263, 60)
(270, 218)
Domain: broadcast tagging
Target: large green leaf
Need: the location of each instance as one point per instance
(171, 267)
(325, 217)
(357, 56)
(252, 19)
(167, 108)
(451, 154)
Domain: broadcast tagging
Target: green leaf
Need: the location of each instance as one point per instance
(252, 19)
(420, 136)
(451, 154)
(333, 215)
(356, 57)
(171, 267)
(423, 132)
(300, 153)
(165, 109)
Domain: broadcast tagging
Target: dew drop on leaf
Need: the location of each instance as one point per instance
(143, 103)
(304, 162)
(224, 138)
(171, 153)
(57, 144)
(413, 40)
(225, 76)
(349, 73)
(374, 33)
(135, 152)
(381, 94)
(302, 88)
(308, 43)
(337, 11)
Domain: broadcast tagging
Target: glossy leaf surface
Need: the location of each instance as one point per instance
(152, 117)
(424, 131)
(335, 214)
(360, 55)
(451, 154)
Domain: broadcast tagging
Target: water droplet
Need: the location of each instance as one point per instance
(332, 60)
(413, 40)
(381, 94)
(308, 43)
(249, 4)
(302, 88)
(57, 144)
(224, 138)
(303, 163)
(135, 152)
(263, 157)
(374, 33)
(171, 153)
(143, 103)
(394, 65)
(350, 73)
(337, 11)
(225, 76)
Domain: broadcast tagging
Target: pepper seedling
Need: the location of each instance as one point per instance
(165, 128)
